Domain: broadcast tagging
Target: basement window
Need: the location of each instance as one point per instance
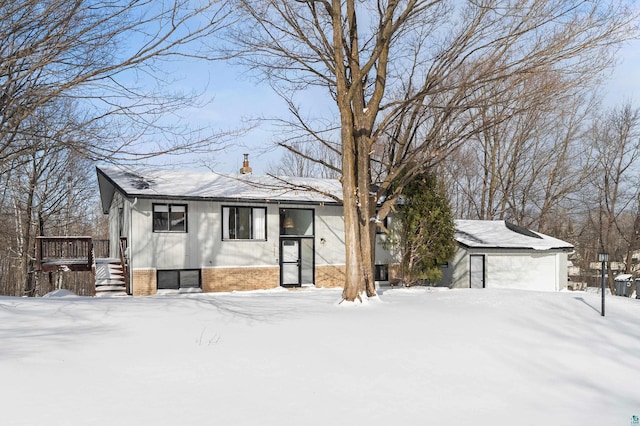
(178, 279)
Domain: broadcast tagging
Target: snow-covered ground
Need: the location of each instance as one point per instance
(415, 357)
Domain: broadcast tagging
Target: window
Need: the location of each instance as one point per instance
(296, 222)
(244, 223)
(120, 222)
(169, 218)
(177, 279)
(382, 273)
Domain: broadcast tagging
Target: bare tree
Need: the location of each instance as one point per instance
(616, 143)
(103, 54)
(409, 76)
(48, 180)
(303, 161)
(530, 162)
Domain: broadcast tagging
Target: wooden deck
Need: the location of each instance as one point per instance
(78, 253)
(65, 254)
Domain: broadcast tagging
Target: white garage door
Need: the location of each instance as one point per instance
(530, 271)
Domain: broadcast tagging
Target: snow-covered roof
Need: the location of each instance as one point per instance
(208, 185)
(502, 234)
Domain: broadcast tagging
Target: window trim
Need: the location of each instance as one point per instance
(225, 223)
(169, 206)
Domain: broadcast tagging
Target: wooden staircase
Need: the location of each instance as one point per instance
(110, 278)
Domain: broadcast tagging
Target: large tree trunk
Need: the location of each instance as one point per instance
(354, 275)
(359, 242)
(367, 208)
(359, 207)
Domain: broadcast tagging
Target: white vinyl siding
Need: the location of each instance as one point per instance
(202, 247)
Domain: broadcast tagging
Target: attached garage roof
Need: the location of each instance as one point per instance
(502, 234)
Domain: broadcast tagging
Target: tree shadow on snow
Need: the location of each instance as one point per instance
(558, 352)
(29, 327)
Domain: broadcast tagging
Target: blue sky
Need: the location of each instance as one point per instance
(234, 100)
(235, 97)
(624, 83)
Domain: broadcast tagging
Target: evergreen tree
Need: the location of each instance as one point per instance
(423, 232)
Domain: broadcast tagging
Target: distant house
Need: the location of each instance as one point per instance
(204, 231)
(498, 254)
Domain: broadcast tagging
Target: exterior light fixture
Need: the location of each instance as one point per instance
(288, 223)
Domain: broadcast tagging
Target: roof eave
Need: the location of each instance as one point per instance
(107, 188)
(230, 199)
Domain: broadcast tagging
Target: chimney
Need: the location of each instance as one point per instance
(245, 170)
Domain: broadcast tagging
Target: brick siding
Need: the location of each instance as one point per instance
(229, 279)
(330, 275)
(238, 279)
(144, 282)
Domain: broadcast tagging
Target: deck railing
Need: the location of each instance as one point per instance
(101, 248)
(73, 253)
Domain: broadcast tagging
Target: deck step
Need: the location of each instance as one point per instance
(108, 260)
(107, 282)
(112, 294)
(109, 278)
(100, 272)
(107, 288)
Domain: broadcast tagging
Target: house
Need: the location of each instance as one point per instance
(498, 254)
(205, 231)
